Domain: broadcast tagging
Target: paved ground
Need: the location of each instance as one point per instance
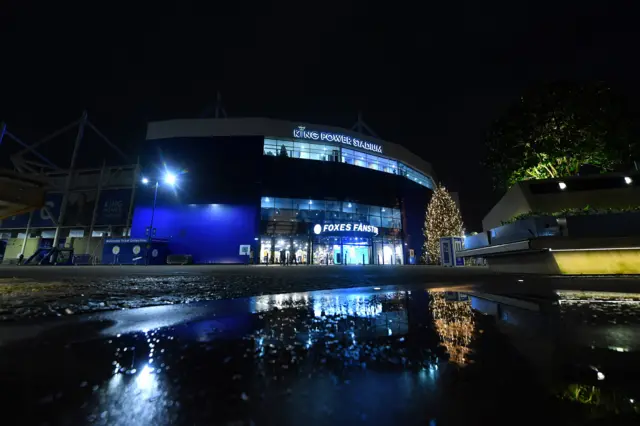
(33, 291)
(378, 272)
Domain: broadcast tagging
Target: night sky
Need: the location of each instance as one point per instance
(431, 76)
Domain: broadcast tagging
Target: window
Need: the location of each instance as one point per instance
(372, 162)
(267, 208)
(379, 163)
(415, 176)
(348, 156)
(267, 202)
(333, 206)
(387, 222)
(301, 204)
(306, 210)
(318, 152)
(283, 203)
(369, 161)
(349, 207)
(374, 210)
(306, 150)
(270, 147)
(285, 149)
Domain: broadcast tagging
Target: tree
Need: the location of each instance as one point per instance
(442, 219)
(555, 129)
(283, 151)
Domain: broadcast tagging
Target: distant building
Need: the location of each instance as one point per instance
(316, 194)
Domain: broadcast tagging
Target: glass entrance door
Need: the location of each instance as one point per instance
(342, 251)
(356, 254)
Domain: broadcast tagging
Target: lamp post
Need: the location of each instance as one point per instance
(170, 179)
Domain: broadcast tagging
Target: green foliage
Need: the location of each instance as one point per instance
(587, 210)
(599, 402)
(555, 129)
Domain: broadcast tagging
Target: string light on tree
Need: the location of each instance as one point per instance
(442, 219)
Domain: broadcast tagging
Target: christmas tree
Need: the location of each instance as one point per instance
(442, 219)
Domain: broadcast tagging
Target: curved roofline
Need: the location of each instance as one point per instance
(210, 127)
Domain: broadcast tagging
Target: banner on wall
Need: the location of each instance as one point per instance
(113, 209)
(449, 249)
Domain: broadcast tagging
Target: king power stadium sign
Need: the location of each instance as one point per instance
(302, 133)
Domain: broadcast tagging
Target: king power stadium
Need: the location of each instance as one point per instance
(252, 189)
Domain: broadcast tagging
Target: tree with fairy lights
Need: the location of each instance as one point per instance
(442, 219)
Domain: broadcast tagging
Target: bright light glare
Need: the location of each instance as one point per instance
(618, 349)
(170, 178)
(145, 181)
(628, 180)
(562, 185)
(145, 379)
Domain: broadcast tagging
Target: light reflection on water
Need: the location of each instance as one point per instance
(335, 336)
(133, 399)
(355, 303)
(455, 323)
(297, 357)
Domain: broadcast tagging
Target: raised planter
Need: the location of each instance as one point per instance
(525, 229)
(476, 241)
(604, 225)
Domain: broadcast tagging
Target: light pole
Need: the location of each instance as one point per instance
(170, 179)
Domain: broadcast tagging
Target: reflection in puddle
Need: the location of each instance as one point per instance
(368, 355)
(582, 345)
(454, 322)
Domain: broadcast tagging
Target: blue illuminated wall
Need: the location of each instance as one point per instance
(414, 204)
(211, 233)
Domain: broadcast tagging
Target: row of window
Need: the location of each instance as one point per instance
(305, 210)
(320, 152)
(328, 205)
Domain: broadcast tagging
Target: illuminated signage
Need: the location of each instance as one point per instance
(302, 133)
(337, 228)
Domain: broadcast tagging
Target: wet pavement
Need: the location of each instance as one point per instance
(57, 291)
(61, 291)
(397, 355)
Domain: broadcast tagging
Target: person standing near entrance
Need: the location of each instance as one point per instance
(251, 256)
(283, 258)
(293, 259)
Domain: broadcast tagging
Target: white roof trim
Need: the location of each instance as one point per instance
(212, 127)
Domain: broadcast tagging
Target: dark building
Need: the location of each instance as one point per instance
(309, 193)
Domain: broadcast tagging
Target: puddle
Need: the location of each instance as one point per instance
(354, 356)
